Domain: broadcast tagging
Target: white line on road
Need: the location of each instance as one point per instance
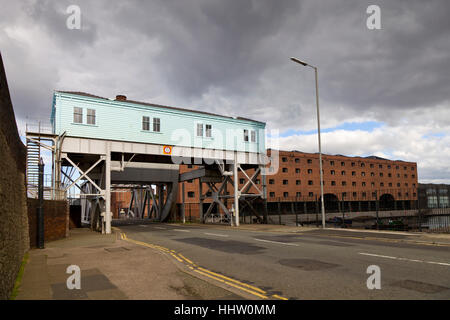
(143, 225)
(161, 228)
(216, 234)
(180, 230)
(404, 259)
(288, 244)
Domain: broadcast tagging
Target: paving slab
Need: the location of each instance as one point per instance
(111, 269)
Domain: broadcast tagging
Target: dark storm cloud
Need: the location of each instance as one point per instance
(240, 48)
(51, 17)
(209, 43)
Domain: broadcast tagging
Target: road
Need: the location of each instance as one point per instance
(313, 264)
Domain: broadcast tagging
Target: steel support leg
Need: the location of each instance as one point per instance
(236, 190)
(108, 190)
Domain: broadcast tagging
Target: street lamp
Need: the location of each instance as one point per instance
(318, 131)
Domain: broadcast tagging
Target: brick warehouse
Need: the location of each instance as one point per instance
(354, 183)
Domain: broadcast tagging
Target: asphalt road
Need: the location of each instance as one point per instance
(316, 264)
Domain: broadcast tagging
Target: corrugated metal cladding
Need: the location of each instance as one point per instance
(124, 121)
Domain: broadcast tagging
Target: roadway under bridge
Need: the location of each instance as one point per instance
(97, 168)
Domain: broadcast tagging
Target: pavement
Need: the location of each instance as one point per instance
(110, 269)
(217, 262)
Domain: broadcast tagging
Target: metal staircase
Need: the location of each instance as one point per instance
(33, 158)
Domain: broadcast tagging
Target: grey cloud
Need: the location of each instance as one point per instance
(233, 57)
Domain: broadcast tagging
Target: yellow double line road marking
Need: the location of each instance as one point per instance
(205, 272)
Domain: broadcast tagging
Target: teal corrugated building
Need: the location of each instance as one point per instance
(84, 115)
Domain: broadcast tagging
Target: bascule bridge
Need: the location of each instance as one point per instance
(102, 145)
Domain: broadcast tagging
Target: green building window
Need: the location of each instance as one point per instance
(77, 115)
(90, 116)
(156, 125)
(146, 123)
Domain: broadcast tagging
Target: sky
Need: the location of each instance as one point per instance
(382, 92)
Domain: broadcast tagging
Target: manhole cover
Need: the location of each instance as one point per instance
(307, 264)
(419, 286)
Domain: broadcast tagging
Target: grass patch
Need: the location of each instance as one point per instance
(15, 291)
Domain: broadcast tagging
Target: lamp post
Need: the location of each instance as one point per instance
(318, 131)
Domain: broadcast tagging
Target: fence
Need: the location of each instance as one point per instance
(309, 214)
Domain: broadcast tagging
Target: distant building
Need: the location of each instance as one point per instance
(350, 183)
(433, 196)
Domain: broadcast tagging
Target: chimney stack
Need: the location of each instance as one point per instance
(121, 97)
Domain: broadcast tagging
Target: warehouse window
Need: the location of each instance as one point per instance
(354, 184)
(253, 136)
(199, 130)
(309, 171)
(344, 194)
(353, 173)
(363, 173)
(272, 194)
(271, 181)
(342, 164)
(310, 182)
(331, 163)
(390, 184)
(432, 202)
(380, 166)
(297, 170)
(381, 174)
(191, 194)
(342, 173)
(381, 184)
(145, 123)
(90, 116)
(241, 181)
(298, 182)
(298, 194)
(371, 165)
(354, 194)
(333, 183)
(77, 115)
(311, 194)
(285, 169)
(284, 159)
(285, 194)
(245, 135)
(309, 161)
(372, 174)
(344, 183)
(332, 172)
(297, 160)
(362, 164)
(285, 181)
(363, 184)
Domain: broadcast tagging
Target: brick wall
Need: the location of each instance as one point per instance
(56, 220)
(14, 240)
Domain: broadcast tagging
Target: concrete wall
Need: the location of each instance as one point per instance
(14, 241)
(56, 220)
